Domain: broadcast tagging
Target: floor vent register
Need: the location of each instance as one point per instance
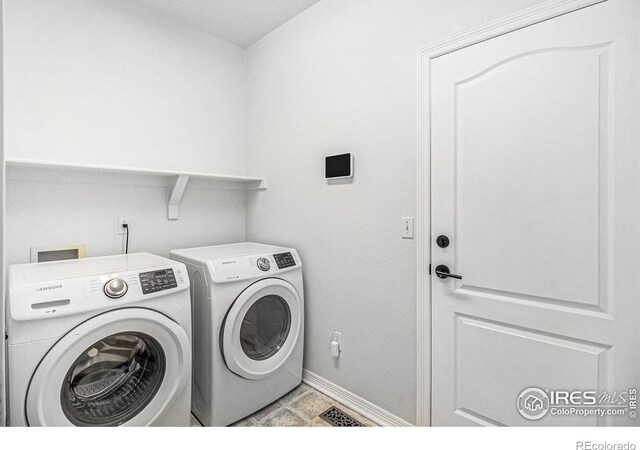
(337, 418)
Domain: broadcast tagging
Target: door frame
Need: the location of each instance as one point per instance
(539, 13)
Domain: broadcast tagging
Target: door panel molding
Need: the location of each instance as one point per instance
(604, 47)
(472, 388)
(583, 290)
(533, 301)
(522, 19)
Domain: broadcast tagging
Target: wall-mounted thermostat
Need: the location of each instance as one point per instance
(338, 166)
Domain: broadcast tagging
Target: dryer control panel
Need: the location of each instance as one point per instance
(284, 260)
(253, 266)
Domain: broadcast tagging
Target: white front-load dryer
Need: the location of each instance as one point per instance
(99, 342)
(248, 323)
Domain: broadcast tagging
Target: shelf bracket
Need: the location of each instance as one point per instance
(176, 189)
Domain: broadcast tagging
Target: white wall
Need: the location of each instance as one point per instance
(95, 81)
(342, 77)
(45, 214)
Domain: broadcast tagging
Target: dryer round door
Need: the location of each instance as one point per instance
(123, 367)
(262, 328)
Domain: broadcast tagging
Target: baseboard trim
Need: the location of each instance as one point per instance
(349, 399)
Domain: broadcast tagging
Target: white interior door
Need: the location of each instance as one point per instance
(536, 182)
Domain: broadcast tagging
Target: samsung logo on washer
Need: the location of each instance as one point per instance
(49, 288)
(224, 263)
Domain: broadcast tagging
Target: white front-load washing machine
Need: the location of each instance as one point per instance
(248, 317)
(99, 342)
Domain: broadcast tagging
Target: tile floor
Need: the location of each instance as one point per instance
(299, 408)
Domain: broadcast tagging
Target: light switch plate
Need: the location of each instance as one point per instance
(407, 228)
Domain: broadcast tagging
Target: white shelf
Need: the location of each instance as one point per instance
(176, 181)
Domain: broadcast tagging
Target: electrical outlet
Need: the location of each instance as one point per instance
(122, 221)
(336, 343)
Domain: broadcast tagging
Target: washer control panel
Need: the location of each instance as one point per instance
(158, 280)
(110, 286)
(284, 260)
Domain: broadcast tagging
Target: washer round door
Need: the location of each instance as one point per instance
(123, 367)
(262, 328)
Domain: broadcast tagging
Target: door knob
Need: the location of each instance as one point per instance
(442, 241)
(443, 271)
